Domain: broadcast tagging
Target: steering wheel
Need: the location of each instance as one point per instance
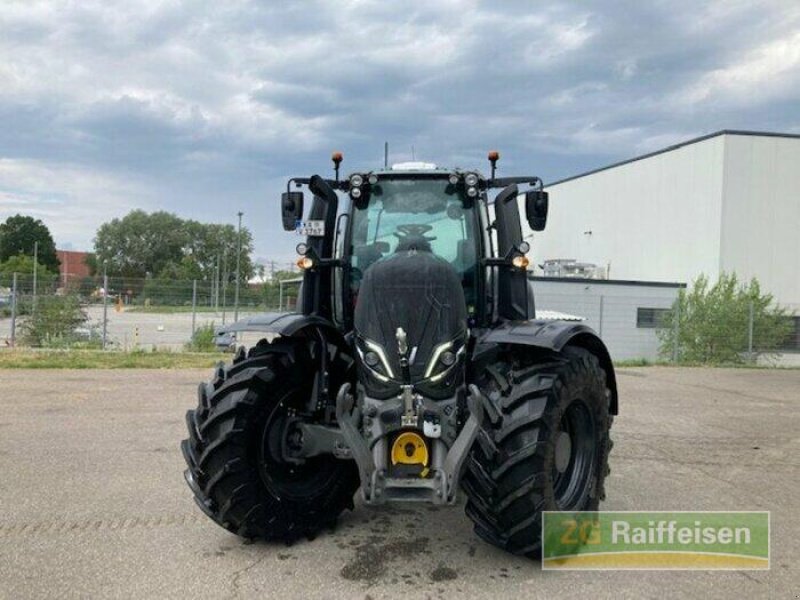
(413, 230)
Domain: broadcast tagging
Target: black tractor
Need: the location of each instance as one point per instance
(415, 367)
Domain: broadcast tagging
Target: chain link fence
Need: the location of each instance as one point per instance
(129, 313)
(651, 328)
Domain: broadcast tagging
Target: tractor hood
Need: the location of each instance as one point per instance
(411, 316)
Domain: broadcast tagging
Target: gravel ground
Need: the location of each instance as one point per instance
(94, 504)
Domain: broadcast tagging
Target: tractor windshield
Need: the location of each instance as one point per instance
(426, 214)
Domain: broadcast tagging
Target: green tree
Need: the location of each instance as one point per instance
(140, 243)
(185, 269)
(91, 262)
(47, 281)
(713, 322)
(23, 265)
(19, 234)
(212, 242)
(161, 244)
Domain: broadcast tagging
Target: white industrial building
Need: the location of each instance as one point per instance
(725, 202)
(626, 314)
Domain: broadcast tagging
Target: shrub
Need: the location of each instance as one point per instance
(203, 339)
(713, 322)
(54, 322)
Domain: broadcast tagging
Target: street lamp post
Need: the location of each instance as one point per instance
(238, 268)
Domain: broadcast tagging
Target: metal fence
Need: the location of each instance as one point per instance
(130, 313)
(127, 313)
(651, 327)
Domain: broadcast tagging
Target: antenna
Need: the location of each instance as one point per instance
(385, 155)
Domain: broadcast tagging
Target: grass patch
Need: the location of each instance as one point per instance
(174, 310)
(89, 359)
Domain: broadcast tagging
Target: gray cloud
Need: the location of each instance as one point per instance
(205, 108)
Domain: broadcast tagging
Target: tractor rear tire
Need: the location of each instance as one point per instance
(544, 446)
(232, 447)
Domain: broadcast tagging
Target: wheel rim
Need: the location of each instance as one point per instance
(290, 480)
(573, 461)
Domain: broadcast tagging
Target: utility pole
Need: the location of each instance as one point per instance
(238, 268)
(35, 273)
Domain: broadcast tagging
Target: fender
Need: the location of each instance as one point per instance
(555, 335)
(283, 324)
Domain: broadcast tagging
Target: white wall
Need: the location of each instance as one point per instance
(610, 309)
(655, 219)
(761, 213)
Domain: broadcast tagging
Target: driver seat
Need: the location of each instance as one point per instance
(414, 242)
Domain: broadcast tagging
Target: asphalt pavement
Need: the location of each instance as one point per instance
(94, 503)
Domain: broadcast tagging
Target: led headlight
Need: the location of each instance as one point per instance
(447, 358)
(453, 178)
(471, 179)
(356, 181)
(355, 192)
(373, 179)
(472, 192)
(375, 359)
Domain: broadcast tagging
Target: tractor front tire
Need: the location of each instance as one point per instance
(544, 446)
(233, 450)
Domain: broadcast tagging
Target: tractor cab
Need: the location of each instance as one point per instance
(419, 208)
(415, 211)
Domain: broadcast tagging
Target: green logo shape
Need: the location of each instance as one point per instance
(655, 540)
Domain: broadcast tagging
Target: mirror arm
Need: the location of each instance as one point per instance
(341, 186)
(501, 182)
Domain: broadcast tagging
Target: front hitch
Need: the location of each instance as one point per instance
(377, 487)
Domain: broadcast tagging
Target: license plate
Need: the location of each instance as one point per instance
(311, 228)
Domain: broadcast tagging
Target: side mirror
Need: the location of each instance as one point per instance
(291, 209)
(536, 209)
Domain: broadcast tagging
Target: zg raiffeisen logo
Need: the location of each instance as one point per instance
(655, 540)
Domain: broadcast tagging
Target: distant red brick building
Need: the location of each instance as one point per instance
(73, 265)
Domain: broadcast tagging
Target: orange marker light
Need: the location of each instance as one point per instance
(337, 157)
(304, 262)
(494, 155)
(521, 262)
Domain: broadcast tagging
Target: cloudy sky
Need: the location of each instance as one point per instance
(205, 108)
